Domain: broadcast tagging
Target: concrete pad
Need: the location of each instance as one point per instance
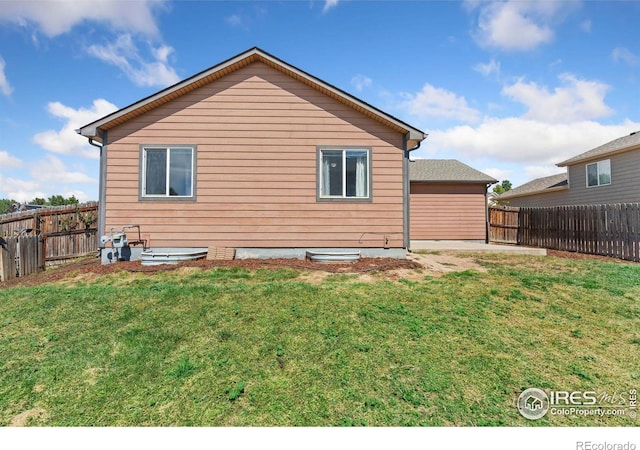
(474, 247)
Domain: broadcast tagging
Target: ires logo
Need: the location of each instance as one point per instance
(535, 403)
(576, 398)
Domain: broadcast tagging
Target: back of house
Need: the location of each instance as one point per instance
(256, 155)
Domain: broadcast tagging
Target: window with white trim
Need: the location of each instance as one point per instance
(599, 173)
(168, 172)
(344, 174)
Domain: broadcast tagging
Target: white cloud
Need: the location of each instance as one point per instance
(55, 17)
(66, 140)
(5, 87)
(586, 26)
(517, 25)
(437, 102)
(328, 4)
(235, 20)
(7, 161)
(53, 169)
(361, 82)
(576, 100)
(621, 54)
(498, 174)
(521, 140)
(124, 54)
(536, 171)
(19, 190)
(49, 176)
(80, 195)
(490, 68)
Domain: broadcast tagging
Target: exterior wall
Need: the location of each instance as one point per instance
(624, 187)
(448, 211)
(256, 132)
(539, 200)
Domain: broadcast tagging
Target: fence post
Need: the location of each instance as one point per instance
(3, 266)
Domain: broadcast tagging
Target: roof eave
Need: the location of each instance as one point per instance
(92, 129)
(488, 182)
(598, 157)
(540, 191)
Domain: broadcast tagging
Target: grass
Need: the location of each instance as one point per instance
(237, 347)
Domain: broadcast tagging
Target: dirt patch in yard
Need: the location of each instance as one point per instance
(575, 255)
(23, 418)
(441, 263)
(88, 269)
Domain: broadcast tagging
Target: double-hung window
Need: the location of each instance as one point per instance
(344, 174)
(599, 173)
(168, 172)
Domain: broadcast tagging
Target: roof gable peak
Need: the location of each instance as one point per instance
(94, 130)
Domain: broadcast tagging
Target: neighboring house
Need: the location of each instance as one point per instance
(448, 200)
(546, 191)
(606, 174)
(257, 155)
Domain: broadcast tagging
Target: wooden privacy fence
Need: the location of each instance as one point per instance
(608, 230)
(503, 225)
(67, 231)
(21, 256)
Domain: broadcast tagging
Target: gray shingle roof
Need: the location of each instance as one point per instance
(537, 186)
(620, 144)
(443, 170)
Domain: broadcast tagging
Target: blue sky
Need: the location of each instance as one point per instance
(509, 87)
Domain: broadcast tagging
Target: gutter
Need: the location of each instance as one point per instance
(102, 193)
(406, 189)
(487, 225)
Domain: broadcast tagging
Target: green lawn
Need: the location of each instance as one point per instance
(236, 347)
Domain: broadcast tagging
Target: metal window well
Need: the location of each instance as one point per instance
(333, 257)
(154, 258)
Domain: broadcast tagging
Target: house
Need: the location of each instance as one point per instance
(605, 174)
(257, 155)
(448, 200)
(533, 403)
(545, 191)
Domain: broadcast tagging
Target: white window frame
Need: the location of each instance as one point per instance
(343, 197)
(143, 172)
(598, 165)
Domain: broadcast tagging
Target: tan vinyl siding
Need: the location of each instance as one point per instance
(624, 187)
(256, 132)
(448, 211)
(539, 200)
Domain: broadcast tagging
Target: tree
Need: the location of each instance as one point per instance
(55, 200)
(59, 200)
(502, 187)
(6, 205)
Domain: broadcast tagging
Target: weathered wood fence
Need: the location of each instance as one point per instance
(66, 231)
(21, 256)
(503, 225)
(608, 230)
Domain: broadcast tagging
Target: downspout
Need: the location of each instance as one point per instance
(487, 225)
(486, 214)
(102, 193)
(406, 189)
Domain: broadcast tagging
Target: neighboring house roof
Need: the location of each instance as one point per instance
(94, 129)
(619, 145)
(537, 186)
(446, 170)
